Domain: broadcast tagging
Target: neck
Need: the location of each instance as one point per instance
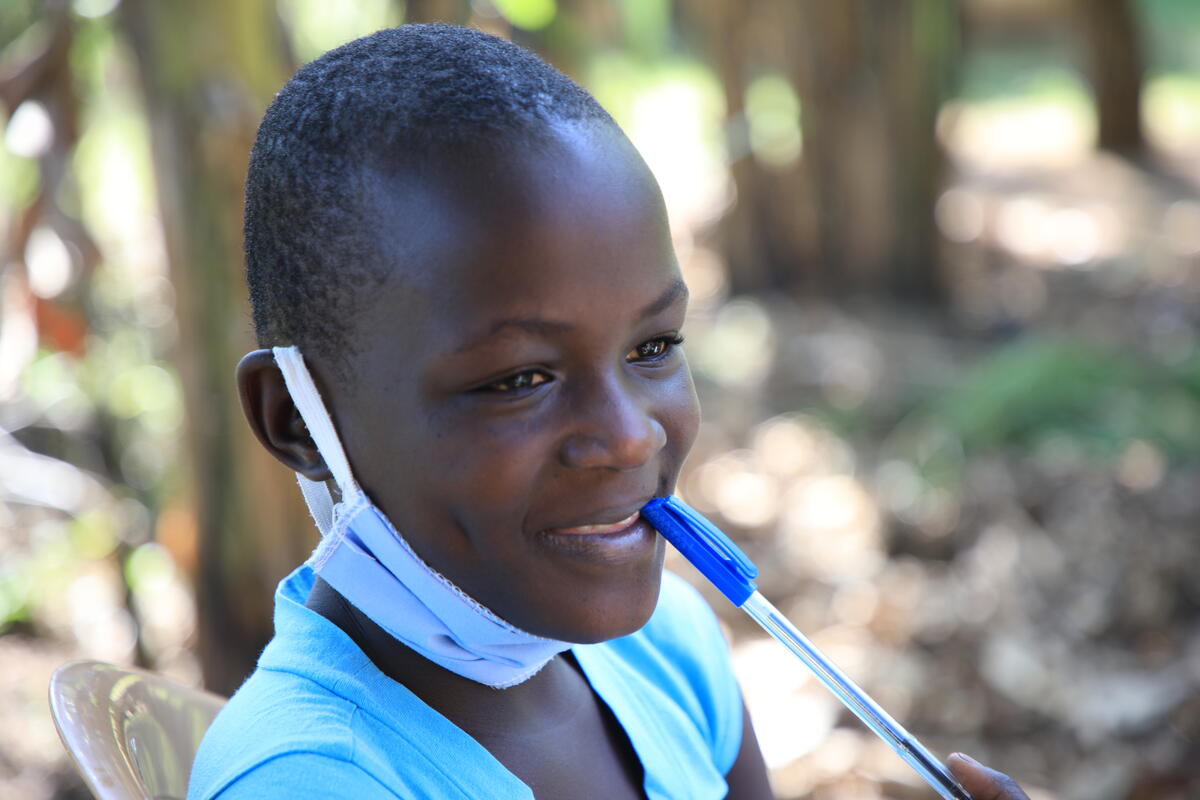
(550, 694)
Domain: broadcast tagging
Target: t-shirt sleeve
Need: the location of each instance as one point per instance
(300, 776)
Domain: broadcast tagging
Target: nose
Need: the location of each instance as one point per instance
(614, 429)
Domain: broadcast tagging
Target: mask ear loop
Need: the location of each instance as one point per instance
(316, 417)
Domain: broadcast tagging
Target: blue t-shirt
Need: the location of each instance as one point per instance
(318, 719)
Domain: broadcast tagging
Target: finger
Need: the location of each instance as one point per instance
(983, 783)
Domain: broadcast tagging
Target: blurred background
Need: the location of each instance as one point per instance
(945, 259)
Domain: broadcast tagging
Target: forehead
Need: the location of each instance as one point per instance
(523, 228)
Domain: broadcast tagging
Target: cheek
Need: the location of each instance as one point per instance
(489, 466)
(682, 417)
(460, 487)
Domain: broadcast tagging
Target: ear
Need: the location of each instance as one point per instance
(274, 418)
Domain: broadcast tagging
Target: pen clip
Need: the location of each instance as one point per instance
(705, 546)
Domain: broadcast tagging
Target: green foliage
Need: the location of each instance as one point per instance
(44, 571)
(1100, 399)
(147, 566)
(647, 26)
(530, 15)
(773, 116)
(17, 17)
(14, 593)
(317, 26)
(1170, 34)
(19, 180)
(1171, 102)
(633, 90)
(1028, 74)
(92, 534)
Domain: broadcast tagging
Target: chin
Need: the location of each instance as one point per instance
(593, 614)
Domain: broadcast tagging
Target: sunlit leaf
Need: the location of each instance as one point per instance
(317, 26)
(531, 15)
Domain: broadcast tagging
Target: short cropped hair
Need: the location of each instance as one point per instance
(397, 95)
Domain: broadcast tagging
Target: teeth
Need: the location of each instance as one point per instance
(609, 528)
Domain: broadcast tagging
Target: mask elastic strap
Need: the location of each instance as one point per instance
(320, 426)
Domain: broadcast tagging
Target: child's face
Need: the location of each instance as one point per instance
(517, 380)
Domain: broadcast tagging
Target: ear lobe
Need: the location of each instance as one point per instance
(274, 418)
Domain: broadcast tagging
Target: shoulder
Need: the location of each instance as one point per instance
(274, 715)
(302, 775)
(303, 714)
(283, 735)
(317, 713)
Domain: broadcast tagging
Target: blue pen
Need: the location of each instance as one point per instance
(719, 559)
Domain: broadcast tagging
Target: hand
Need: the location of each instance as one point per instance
(983, 783)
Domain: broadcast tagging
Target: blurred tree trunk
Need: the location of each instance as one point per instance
(1115, 67)
(759, 234)
(206, 79)
(872, 76)
(855, 215)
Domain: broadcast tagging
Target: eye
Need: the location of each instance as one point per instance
(655, 349)
(521, 381)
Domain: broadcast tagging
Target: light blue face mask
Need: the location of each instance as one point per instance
(368, 562)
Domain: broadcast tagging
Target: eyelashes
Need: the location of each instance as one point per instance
(658, 347)
(649, 352)
(520, 382)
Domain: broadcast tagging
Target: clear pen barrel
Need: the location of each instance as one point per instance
(925, 763)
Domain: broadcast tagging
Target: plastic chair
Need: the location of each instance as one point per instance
(132, 734)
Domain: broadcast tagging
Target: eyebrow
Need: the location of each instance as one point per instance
(676, 290)
(546, 327)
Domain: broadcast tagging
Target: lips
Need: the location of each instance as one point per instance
(616, 536)
(597, 528)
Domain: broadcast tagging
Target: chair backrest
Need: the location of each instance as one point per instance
(132, 734)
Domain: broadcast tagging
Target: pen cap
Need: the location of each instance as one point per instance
(704, 545)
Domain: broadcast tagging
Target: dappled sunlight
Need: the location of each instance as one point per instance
(1004, 135)
(166, 609)
(98, 620)
(317, 26)
(670, 117)
(735, 347)
(792, 713)
(705, 275)
(830, 529)
(29, 131)
(1142, 466)
(773, 122)
(731, 485)
(1171, 110)
(1036, 228)
(49, 264)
